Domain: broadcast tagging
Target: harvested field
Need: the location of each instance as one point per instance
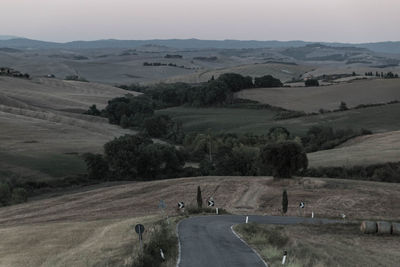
(363, 150)
(258, 195)
(94, 227)
(81, 244)
(311, 99)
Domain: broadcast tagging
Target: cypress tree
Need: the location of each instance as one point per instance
(199, 198)
(285, 201)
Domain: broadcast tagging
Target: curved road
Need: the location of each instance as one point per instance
(209, 240)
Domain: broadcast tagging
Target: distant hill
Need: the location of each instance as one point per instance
(382, 47)
(7, 37)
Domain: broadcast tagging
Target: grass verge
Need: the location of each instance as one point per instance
(320, 245)
(161, 236)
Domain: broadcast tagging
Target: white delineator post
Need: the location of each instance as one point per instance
(312, 214)
(284, 257)
(216, 211)
(247, 219)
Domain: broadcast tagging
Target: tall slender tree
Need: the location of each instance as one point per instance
(199, 198)
(285, 201)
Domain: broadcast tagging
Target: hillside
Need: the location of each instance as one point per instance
(94, 227)
(384, 47)
(44, 130)
(363, 150)
(259, 121)
(282, 71)
(311, 99)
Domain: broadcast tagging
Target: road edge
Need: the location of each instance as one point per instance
(244, 242)
(178, 261)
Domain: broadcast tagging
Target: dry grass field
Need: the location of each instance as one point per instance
(321, 245)
(43, 128)
(241, 195)
(94, 227)
(364, 150)
(111, 242)
(311, 99)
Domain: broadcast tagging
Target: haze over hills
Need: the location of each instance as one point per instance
(9, 41)
(7, 37)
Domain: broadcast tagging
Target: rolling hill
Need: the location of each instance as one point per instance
(44, 130)
(11, 41)
(95, 227)
(311, 99)
(363, 150)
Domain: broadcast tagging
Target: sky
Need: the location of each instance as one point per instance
(351, 21)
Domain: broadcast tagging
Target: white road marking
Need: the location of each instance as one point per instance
(179, 246)
(244, 242)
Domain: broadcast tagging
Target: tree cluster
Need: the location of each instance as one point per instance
(129, 111)
(135, 157)
(388, 75)
(13, 73)
(387, 172)
(311, 82)
(323, 137)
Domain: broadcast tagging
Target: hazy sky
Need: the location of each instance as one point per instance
(310, 20)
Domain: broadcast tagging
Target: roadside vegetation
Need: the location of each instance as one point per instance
(161, 237)
(320, 245)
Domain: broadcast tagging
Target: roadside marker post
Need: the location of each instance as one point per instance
(301, 207)
(312, 215)
(162, 255)
(284, 257)
(139, 229)
(216, 211)
(247, 219)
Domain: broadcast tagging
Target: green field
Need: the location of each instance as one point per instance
(376, 119)
(222, 119)
(42, 165)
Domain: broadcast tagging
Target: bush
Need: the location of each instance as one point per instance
(311, 82)
(93, 111)
(19, 195)
(75, 78)
(5, 194)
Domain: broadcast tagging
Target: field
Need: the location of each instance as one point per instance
(363, 150)
(376, 119)
(311, 99)
(93, 227)
(377, 148)
(38, 116)
(284, 72)
(321, 245)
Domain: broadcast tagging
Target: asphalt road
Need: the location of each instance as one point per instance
(208, 241)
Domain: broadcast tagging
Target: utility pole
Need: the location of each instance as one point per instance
(209, 140)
